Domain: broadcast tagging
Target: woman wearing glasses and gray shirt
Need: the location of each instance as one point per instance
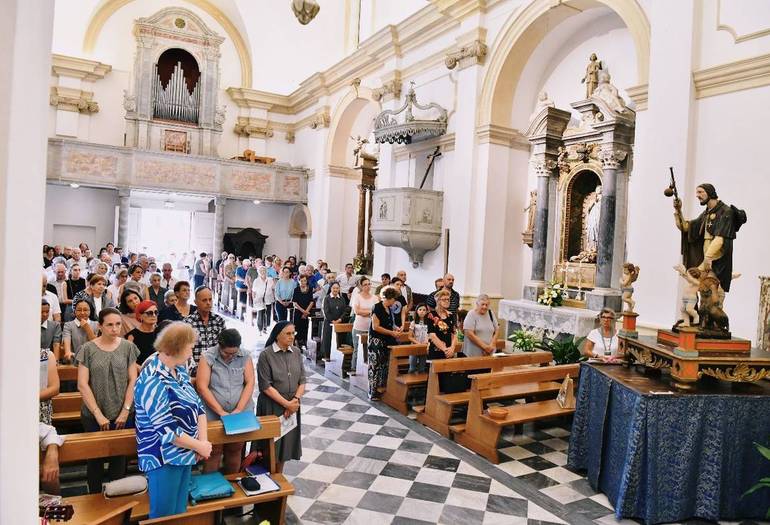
(480, 329)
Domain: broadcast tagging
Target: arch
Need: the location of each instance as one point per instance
(342, 121)
(110, 7)
(522, 33)
(300, 222)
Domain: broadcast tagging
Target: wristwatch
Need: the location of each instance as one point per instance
(127, 408)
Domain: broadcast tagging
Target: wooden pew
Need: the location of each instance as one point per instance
(118, 516)
(66, 408)
(481, 432)
(399, 380)
(67, 372)
(314, 338)
(361, 378)
(438, 406)
(337, 357)
(79, 447)
(192, 517)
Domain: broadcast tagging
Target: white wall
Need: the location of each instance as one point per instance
(269, 218)
(88, 207)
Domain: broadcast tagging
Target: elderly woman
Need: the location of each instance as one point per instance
(303, 302)
(155, 291)
(106, 376)
(129, 300)
(169, 298)
(480, 327)
(382, 334)
(135, 281)
(263, 297)
(144, 335)
(225, 382)
(95, 295)
(79, 331)
(121, 276)
(281, 382)
(171, 427)
(602, 342)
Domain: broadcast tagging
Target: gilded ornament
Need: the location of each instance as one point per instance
(648, 359)
(740, 373)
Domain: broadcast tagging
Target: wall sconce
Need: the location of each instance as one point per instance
(305, 10)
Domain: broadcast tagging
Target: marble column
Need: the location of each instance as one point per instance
(219, 225)
(360, 239)
(543, 169)
(26, 28)
(369, 240)
(611, 160)
(124, 204)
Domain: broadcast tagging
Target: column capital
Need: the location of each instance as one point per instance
(611, 157)
(124, 192)
(220, 201)
(543, 166)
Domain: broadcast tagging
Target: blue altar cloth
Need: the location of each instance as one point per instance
(669, 457)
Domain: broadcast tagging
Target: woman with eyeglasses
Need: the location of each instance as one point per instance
(602, 342)
(144, 335)
(225, 382)
(281, 382)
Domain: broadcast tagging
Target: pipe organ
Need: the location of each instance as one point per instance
(175, 102)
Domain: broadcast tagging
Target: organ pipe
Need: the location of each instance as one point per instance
(175, 102)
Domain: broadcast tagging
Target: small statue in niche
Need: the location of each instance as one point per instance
(629, 276)
(593, 216)
(542, 102)
(562, 159)
(688, 314)
(591, 80)
(609, 93)
(383, 209)
(531, 211)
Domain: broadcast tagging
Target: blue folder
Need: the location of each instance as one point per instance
(240, 423)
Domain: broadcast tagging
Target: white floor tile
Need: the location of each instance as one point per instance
(514, 468)
(469, 499)
(435, 477)
(342, 495)
(368, 517)
(321, 473)
(393, 486)
(562, 493)
(538, 513)
(515, 452)
(420, 510)
(561, 474)
(385, 442)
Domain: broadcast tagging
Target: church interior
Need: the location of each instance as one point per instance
(389, 261)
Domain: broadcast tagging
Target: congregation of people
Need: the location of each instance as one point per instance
(153, 351)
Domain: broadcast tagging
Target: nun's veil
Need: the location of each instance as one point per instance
(277, 329)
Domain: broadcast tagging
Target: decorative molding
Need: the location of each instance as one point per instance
(321, 119)
(254, 99)
(733, 76)
(639, 95)
(611, 157)
(289, 137)
(460, 9)
(740, 373)
(75, 100)
(253, 128)
(469, 55)
(99, 165)
(733, 32)
(110, 7)
(343, 172)
(73, 67)
(390, 89)
(502, 136)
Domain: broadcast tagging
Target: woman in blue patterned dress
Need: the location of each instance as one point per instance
(171, 427)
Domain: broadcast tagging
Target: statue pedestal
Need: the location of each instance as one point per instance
(561, 320)
(599, 298)
(687, 343)
(629, 325)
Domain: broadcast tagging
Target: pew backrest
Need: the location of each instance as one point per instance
(494, 363)
(482, 382)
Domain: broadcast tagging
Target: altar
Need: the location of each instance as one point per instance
(561, 321)
(665, 456)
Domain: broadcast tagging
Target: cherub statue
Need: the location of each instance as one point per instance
(630, 275)
(591, 80)
(688, 315)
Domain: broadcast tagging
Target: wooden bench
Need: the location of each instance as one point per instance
(192, 517)
(437, 412)
(91, 507)
(399, 380)
(481, 433)
(339, 358)
(67, 372)
(66, 408)
(314, 338)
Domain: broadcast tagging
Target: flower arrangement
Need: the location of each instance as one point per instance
(524, 340)
(553, 294)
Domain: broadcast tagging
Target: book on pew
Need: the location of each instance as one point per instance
(240, 423)
(266, 484)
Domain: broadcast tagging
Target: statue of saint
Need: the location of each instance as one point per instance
(531, 210)
(707, 241)
(360, 155)
(609, 93)
(591, 80)
(592, 222)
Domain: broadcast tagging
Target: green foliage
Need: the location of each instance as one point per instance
(764, 482)
(564, 352)
(523, 340)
